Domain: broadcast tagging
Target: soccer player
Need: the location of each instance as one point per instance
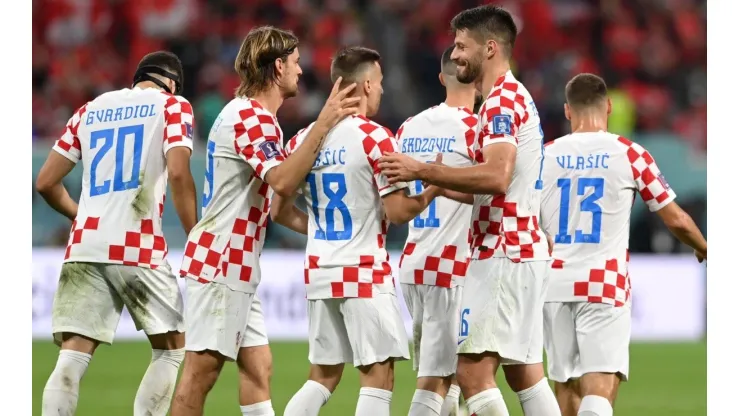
(591, 179)
(354, 315)
(244, 162)
(503, 296)
(435, 257)
(131, 143)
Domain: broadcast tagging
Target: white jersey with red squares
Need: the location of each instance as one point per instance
(225, 245)
(590, 184)
(438, 245)
(506, 225)
(345, 253)
(122, 138)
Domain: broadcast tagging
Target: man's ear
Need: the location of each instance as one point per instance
(442, 80)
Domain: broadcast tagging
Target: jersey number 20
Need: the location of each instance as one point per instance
(329, 181)
(108, 137)
(588, 204)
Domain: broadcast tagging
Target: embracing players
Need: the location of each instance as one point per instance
(591, 179)
(221, 261)
(353, 313)
(503, 297)
(130, 142)
(435, 257)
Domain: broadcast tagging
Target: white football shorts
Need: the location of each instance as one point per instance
(217, 318)
(582, 337)
(256, 332)
(91, 296)
(434, 311)
(361, 331)
(501, 309)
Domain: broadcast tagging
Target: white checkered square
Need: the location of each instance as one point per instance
(179, 123)
(68, 144)
(256, 127)
(379, 139)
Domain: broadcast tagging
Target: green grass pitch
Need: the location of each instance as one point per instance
(665, 379)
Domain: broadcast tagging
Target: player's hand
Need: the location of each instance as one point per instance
(437, 161)
(338, 105)
(700, 257)
(398, 167)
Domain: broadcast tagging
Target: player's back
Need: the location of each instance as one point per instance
(122, 137)
(591, 180)
(243, 145)
(345, 253)
(438, 242)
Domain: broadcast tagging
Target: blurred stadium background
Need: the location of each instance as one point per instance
(651, 52)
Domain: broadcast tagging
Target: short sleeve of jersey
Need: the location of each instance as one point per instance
(257, 140)
(502, 116)
(375, 143)
(68, 144)
(650, 183)
(178, 123)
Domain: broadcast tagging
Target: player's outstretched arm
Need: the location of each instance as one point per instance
(182, 186)
(401, 208)
(286, 177)
(460, 197)
(284, 212)
(681, 225)
(49, 184)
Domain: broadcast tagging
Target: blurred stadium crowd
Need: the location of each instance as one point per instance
(651, 52)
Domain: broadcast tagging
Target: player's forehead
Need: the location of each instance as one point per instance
(465, 37)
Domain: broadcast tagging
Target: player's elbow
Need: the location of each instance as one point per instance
(44, 185)
(283, 188)
(679, 221)
(398, 217)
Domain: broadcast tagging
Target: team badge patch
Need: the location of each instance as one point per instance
(270, 149)
(663, 182)
(189, 130)
(501, 124)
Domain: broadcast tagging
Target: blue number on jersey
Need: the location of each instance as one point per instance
(208, 192)
(336, 202)
(432, 221)
(588, 204)
(108, 136)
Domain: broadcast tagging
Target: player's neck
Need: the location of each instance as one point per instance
(496, 70)
(588, 122)
(147, 84)
(270, 100)
(460, 99)
(362, 107)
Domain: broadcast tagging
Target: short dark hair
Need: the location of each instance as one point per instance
(585, 90)
(255, 62)
(449, 67)
(488, 22)
(164, 60)
(351, 61)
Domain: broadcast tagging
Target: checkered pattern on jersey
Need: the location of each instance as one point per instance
(349, 281)
(399, 132)
(377, 140)
(179, 122)
(68, 145)
(470, 120)
(139, 247)
(293, 142)
(253, 136)
(505, 99)
(610, 284)
(442, 270)
(200, 258)
(653, 189)
(75, 234)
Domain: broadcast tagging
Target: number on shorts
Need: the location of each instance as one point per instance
(108, 136)
(336, 202)
(588, 204)
(464, 322)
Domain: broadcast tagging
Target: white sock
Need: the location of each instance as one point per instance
(155, 391)
(426, 403)
(258, 409)
(487, 403)
(539, 400)
(451, 406)
(308, 400)
(374, 402)
(595, 406)
(63, 387)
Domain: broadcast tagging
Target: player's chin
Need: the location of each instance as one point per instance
(291, 92)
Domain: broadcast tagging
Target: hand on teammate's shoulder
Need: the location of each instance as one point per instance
(338, 105)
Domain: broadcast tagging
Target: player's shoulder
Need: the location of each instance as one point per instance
(247, 110)
(295, 141)
(364, 128)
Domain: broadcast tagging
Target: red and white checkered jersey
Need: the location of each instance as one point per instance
(590, 184)
(345, 253)
(225, 245)
(506, 225)
(438, 245)
(122, 138)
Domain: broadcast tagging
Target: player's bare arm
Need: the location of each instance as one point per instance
(49, 184)
(182, 186)
(284, 212)
(681, 225)
(401, 208)
(493, 176)
(286, 177)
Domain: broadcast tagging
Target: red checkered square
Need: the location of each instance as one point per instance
(139, 248)
(651, 185)
(610, 285)
(75, 234)
(179, 122)
(68, 144)
(440, 270)
(348, 281)
(506, 98)
(256, 128)
(377, 140)
(200, 257)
